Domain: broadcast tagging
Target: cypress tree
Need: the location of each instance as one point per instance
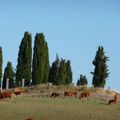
(9, 73)
(69, 73)
(62, 72)
(24, 60)
(40, 66)
(101, 69)
(82, 80)
(54, 72)
(78, 82)
(47, 64)
(1, 62)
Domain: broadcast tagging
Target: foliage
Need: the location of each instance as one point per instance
(40, 66)
(24, 60)
(1, 62)
(60, 72)
(68, 72)
(101, 69)
(82, 80)
(9, 73)
(47, 64)
(54, 72)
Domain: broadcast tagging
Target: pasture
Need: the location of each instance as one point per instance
(46, 108)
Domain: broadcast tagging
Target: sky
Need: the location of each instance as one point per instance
(73, 29)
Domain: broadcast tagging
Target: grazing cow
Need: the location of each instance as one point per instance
(55, 94)
(85, 95)
(17, 91)
(115, 100)
(70, 93)
(5, 94)
(112, 101)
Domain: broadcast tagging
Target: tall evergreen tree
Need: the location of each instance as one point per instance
(54, 72)
(101, 69)
(60, 72)
(69, 73)
(24, 60)
(1, 62)
(9, 73)
(47, 64)
(82, 80)
(40, 66)
(78, 82)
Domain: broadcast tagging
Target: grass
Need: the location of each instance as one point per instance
(20, 108)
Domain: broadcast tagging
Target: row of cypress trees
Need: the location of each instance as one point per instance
(34, 70)
(37, 70)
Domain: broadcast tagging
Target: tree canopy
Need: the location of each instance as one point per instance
(101, 71)
(24, 60)
(60, 72)
(9, 73)
(82, 80)
(40, 66)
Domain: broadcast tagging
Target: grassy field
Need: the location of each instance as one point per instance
(20, 108)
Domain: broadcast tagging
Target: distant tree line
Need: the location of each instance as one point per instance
(35, 68)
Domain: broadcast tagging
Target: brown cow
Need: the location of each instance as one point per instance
(85, 94)
(6, 94)
(114, 100)
(17, 91)
(70, 93)
(55, 94)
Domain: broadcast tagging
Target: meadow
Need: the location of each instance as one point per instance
(46, 108)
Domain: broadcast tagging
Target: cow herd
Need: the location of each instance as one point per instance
(84, 94)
